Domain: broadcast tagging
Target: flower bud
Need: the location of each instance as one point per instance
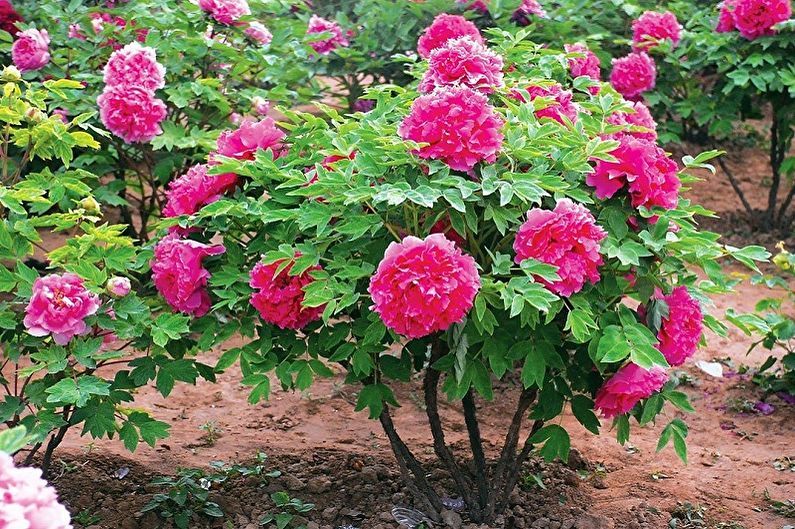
(261, 105)
(118, 286)
(35, 115)
(11, 74)
(90, 205)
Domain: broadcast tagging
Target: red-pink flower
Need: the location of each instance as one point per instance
(627, 387)
(26, 501)
(652, 27)
(475, 5)
(131, 113)
(328, 44)
(423, 286)
(463, 61)
(444, 28)
(641, 117)
(587, 66)
(567, 237)
(561, 103)
(58, 306)
(681, 330)
(649, 175)
(193, 190)
(459, 125)
(135, 65)
(9, 17)
(634, 74)
(257, 32)
(179, 276)
(226, 11)
(279, 298)
(726, 17)
(244, 142)
(31, 50)
(527, 8)
(756, 18)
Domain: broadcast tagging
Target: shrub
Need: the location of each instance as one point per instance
(351, 245)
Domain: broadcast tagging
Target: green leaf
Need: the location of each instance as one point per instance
(556, 442)
(582, 408)
(680, 400)
(676, 430)
(373, 397)
(13, 440)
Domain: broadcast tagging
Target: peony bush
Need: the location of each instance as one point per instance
(458, 232)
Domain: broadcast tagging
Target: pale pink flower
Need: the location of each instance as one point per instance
(463, 61)
(58, 306)
(261, 105)
(132, 113)
(444, 28)
(30, 50)
(328, 44)
(634, 74)
(257, 32)
(627, 387)
(27, 501)
(118, 286)
(279, 298)
(135, 65)
(525, 10)
(226, 11)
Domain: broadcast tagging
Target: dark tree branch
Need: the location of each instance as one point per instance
(736, 186)
(476, 443)
(516, 471)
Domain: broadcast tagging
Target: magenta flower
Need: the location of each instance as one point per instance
(257, 32)
(652, 27)
(243, 143)
(131, 113)
(627, 387)
(560, 106)
(525, 10)
(179, 276)
(9, 17)
(195, 189)
(463, 61)
(423, 286)
(30, 50)
(681, 329)
(58, 306)
(444, 28)
(458, 123)
(135, 65)
(279, 298)
(27, 501)
(567, 237)
(329, 44)
(634, 74)
(756, 18)
(726, 17)
(475, 5)
(641, 117)
(226, 11)
(587, 66)
(261, 105)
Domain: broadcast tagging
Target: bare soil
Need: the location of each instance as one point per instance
(333, 457)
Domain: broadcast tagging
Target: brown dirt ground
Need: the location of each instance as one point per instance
(341, 460)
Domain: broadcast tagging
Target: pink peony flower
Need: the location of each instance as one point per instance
(118, 286)
(135, 65)
(561, 105)
(30, 50)
(190, 192)
(640, 118)
(726, 17)
(280, 298)
(650, 176)
(261, 105)
(651, 27)
(329, 44)
(9, 17)
(444, 28)
(475, 5)
(587, 66)
(243, 143)
(627, 387)
(527, 8)
(179, 276)
(459, 125)
(756, 18)
(131, 113)
(226, 11)
(27, 501)
(61, 113)
(463, 61)
(423, 286)
(567, 237)
(681, 330)
(634, 74)
(58, 306)
(257, 32)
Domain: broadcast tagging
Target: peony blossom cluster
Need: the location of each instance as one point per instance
(257, 32)
(423, 286)
(9, 17)
(561, 103)
(634, 74)
(58, 306)
(196, 188)
(444, 28)
(279, 297)
(28, 502)
(588, 65)
(244, 142)
(644, 169)
(753, 18)
(226, 11)
(525, 10)
(681, 330)
(128, 106)
(459, 125)
(627, 387)
(463, 61)
(652, 27)
(179, 276)
(567, 237)
(328, 44)
(31, 50)
(641, 117)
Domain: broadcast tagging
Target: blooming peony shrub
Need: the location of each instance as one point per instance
(30, 50)
(463, 61)
(459, 125)
(325, 45)
(444, 28)
(59, 306)
(466, 239)
(226, 11)
(652, 27)
(634, 74)
(28, 501)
